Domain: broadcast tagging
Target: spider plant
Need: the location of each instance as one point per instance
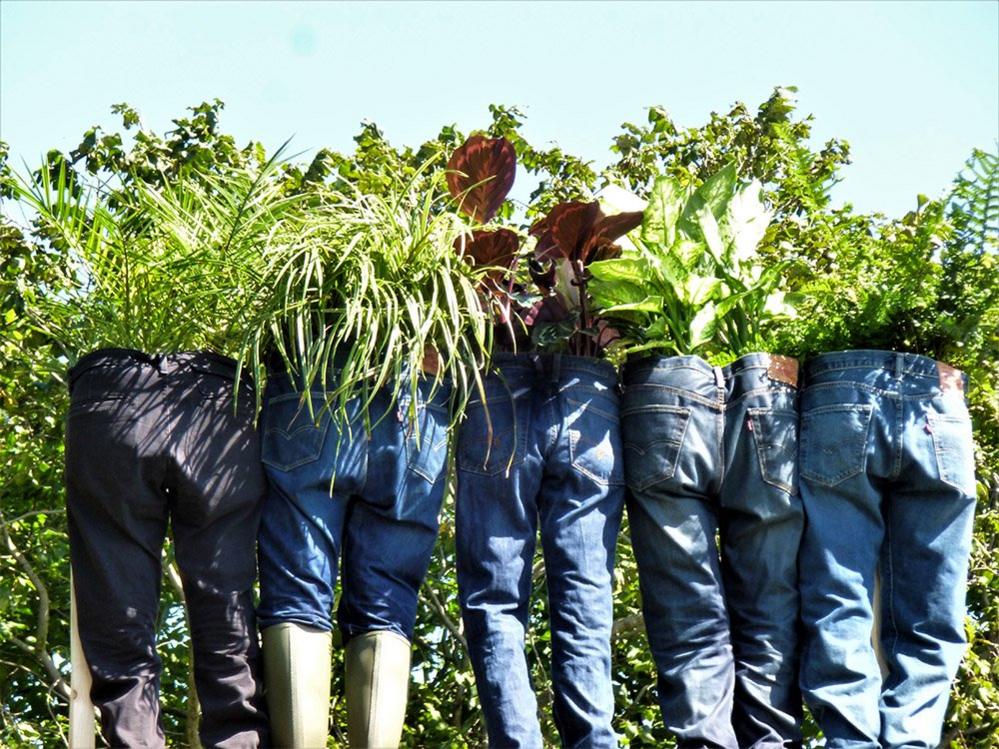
(694, 284)
(372, 289)
(171, 268)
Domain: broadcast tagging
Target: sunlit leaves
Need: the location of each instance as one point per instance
(480, 174)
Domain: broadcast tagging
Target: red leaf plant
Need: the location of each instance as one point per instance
(571, 236)
(480, 174)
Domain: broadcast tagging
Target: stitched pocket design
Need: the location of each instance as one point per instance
(775, 436)
(595, 439)
(954, 449)
(834, 442)
(653, 437)
(293, 435)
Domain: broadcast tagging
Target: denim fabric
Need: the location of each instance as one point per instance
(888, 484)
(335, 490)
(713, 450)
(152, 441)
(545, 449)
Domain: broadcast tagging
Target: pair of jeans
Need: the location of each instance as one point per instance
(152, 440)
(334, 489)
(888, 483)
(543, 449)
(708, 451)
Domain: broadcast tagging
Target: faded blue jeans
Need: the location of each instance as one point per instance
(888, 483)
(708, 451)
(334, 490)
(544, 450)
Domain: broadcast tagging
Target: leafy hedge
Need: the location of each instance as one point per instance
(923, 282)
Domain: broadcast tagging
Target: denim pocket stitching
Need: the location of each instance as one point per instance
(470, 465)
(306, 455)
(680, 411)
(758, 441)
(861, 462)
(939, 448)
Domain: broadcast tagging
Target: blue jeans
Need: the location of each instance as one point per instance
(888, 483)
(713, 450)
(544, 449)
(332, 490)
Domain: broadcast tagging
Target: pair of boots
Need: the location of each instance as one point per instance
(297, 664)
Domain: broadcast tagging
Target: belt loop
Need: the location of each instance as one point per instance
(539, 367)
(719, 377)
(899, 366)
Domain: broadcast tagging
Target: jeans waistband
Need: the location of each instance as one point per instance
(206, 362)
(552, 366)
(743, 374)
(882, 368)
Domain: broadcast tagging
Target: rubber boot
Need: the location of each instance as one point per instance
(376, 666)
(297, 671)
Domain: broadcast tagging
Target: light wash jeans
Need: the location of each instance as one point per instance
(548, 455)
(888, 483)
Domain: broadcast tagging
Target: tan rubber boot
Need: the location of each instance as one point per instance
(376, 668)
(297, 682)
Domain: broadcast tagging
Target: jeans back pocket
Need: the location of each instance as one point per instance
(293, 433)
(426, 437)
(653, 438)
(775, 436)
(954, 448)
(834, 442)
(487, 441)
(595, 438)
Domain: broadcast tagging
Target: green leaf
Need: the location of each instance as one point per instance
(666, 202)
(714, 195)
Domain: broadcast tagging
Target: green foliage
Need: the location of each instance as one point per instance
(372, 283)
(694, 283)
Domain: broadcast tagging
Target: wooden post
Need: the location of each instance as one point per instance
(82, 729)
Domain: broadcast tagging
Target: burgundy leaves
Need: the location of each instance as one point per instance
(480, 174)
(580, 232)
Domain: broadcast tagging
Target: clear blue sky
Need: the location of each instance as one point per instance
(912, 86)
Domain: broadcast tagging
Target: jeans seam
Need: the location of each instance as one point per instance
(890, 585)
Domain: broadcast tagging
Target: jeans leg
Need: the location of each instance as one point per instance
(495, 532)
(301, 529)
(687, 622)
(117, 523)
(580, 520)
(761, 528)
(219, 489)
(924, 573)
(672, 461)
(840, 677)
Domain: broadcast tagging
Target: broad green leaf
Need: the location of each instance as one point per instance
(714, 194)
(703, 326)
(666, 202)
(711, 233)
(608, 294)
(699, 289)
(649, 304)
(620, 269)
(745, 223)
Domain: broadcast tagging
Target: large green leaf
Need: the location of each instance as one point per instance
(745, 222)
(666, 202)
(714, 194)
